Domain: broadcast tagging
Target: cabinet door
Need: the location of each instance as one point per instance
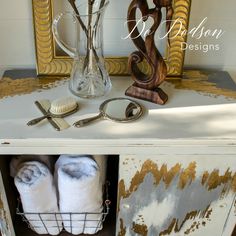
(6, 227)
(176, 195)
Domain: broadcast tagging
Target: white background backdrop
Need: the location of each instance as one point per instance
(17, 39)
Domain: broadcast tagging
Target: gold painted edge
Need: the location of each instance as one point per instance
(197, 80)
(16, 87)
(194, 80)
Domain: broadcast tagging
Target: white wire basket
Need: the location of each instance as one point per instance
(87, 221)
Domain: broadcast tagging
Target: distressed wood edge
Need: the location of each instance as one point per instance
(5, 211)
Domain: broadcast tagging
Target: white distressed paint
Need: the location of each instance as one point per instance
(6, 227)
(222, 218)
(176, 133)
(156, 212)
(187, 115)
(214, 227)
(179, 121)
(217, 217)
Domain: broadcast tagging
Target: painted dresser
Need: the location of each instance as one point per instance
(177, 164)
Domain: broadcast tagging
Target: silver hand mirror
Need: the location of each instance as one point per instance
(115, 109)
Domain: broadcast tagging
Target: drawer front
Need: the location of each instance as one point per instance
(6, 227)
(176, 195)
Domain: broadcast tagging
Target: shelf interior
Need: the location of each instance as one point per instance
(21, 228)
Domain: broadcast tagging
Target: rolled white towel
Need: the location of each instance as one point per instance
(65, 159)
(18, 161)
(38, 195)
(80, 190)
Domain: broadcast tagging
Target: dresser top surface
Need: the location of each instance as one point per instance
(198, 108)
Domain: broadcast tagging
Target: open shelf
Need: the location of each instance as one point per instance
(21, 228)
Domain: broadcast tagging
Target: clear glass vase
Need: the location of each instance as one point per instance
(89, 77)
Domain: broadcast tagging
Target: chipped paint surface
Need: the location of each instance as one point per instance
(140, 229)
(4, 228)
(3, 216)
(122, 230)
(159, 198)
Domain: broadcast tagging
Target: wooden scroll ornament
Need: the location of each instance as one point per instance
(146, 86)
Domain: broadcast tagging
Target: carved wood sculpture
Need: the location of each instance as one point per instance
(146, 86)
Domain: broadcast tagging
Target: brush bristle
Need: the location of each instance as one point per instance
(63, 105)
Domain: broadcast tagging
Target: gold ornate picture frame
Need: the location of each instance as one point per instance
(49, 64)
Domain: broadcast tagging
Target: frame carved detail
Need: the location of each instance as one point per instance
(48, 64)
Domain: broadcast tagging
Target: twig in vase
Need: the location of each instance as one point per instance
(90, 33)
(72, 3)
(94, 33)
(90, 12)
(99, 15)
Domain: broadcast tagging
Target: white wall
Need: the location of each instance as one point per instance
(221, 15)
(16, 34)
(17, 39)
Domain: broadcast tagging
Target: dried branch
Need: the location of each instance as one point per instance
(90, 33)
(72, 3)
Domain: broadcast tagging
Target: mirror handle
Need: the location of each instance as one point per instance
(66, 48)
(86, 121)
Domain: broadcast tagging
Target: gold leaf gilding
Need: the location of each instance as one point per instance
(174, 225)
(168, 176)
(186, 176)
(12, 87)
(210, 180)
(196, 80)
(169, 229)
(159, 174)
(122, 231)
(205, 176)
(140, 229)
(234, 183)
(215, 179)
